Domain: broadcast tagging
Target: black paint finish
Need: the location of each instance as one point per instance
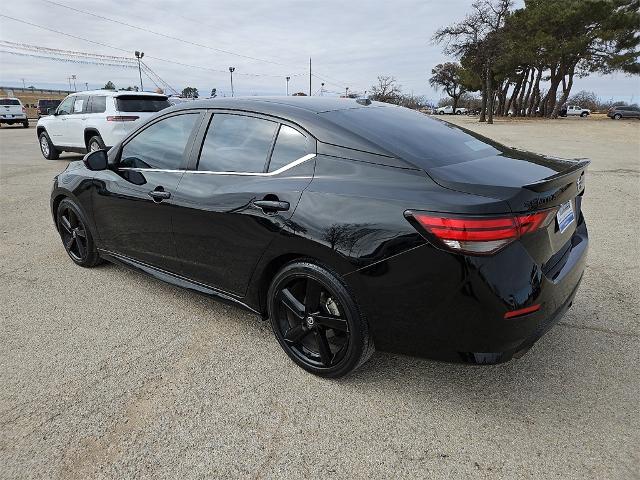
(346, 211)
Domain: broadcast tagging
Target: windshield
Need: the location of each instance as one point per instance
(141, 103)
(9, 101)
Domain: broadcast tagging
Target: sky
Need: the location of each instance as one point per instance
(350, 44)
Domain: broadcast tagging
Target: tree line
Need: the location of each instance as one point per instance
(524, 61)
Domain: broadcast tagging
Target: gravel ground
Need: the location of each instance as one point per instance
(107, 373)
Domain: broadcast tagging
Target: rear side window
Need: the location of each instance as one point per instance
(290, 146)
(235, 143)
(98, 104)
(160, 146)
(141, 103)
(9, 101)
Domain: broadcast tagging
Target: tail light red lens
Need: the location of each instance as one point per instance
(480, 235)
(122, 118)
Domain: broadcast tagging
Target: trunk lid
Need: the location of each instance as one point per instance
(526, 181)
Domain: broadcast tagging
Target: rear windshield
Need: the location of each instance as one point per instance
(9, 101)
(413, 136)
(48, 103)
(141, 103)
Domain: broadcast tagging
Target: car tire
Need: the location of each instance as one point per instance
(440, 112)
(584, 114)
(25, 124)
(316, 320)
(95, 143)
(617, 116)
(49, 151)
(75, 235)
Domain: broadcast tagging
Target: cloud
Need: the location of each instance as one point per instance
(351, 43)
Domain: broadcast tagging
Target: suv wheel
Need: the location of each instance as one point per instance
(617, 116)
(46, 147)
(95, 143)
(317, 321)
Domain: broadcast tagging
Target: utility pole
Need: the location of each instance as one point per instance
(346, 92)
(69, 78)
(86, 85)
(73, 77)
(139, 56)
(231, 70)
(288, 78)
(309, 76)
(322, 89)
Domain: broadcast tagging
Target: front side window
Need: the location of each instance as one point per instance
(66, 106)
(235, 143)
(9, 101)
(290, 146)
(79, 104)
(160, 146)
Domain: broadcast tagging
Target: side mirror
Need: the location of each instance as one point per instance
(96, 160)
(51, 111)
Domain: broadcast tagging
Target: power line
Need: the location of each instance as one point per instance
(174, 62)
(171, 37)
(327, 79)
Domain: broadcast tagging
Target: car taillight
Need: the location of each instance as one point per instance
(24, 110)
(122, 118)
(479, 235)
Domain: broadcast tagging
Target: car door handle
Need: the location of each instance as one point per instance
(159, 195)
(272, 205)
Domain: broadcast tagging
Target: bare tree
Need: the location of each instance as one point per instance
(387, 90)
(478, 34)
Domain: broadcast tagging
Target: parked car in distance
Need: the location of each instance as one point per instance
(449, 110)
(44, 105)
(619, 112)
(94, 120)
(346, 224)
(574, 110)
(12, 111)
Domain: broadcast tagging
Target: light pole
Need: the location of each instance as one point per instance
(139, 56)
(346, 92)
(231, 70)
(288, 78)
(73, 77)
(86, 85)
(322, 89)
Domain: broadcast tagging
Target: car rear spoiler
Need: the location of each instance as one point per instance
(566, 176)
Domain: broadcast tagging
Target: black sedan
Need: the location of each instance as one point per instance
(347, 223)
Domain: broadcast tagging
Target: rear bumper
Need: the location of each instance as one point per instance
(427, 302)
(13, 118)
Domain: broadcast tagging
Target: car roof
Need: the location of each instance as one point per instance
(405, 136)
(116, 93)
(307, 112)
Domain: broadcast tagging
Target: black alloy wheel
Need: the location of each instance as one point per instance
(317, 322)
(75, 236)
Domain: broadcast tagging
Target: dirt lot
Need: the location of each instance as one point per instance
(106, 373)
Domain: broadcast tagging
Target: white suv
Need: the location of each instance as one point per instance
(449, 110)
(12, 111)
(87, 121)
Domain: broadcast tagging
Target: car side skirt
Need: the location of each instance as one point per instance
(175, 279)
